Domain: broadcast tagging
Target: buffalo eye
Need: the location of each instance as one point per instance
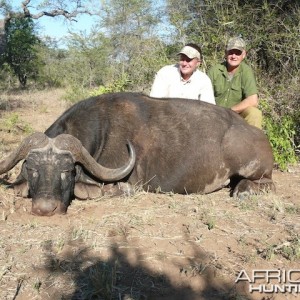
(66, 179)
(33, 172)
(65, 174)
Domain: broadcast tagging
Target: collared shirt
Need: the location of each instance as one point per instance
(168, 83)
(228, 90)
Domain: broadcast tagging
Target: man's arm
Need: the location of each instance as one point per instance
(250, 101)
(158, 89)
(207, 92)
(249, 89)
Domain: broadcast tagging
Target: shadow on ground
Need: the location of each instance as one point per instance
(120, 278)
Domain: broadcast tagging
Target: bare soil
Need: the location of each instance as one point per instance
(149, 246)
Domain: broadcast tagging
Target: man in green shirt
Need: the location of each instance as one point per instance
(234, 83)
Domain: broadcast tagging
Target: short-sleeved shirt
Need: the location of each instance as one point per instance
(229, 92)
(168, 83)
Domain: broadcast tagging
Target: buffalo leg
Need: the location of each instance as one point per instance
(246, 188)
(118, 189)
(88, 191)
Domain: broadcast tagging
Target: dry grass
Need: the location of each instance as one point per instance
(150, 246)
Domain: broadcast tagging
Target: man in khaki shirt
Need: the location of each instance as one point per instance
(234, 83)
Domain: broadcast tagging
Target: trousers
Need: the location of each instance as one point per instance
(252, 116)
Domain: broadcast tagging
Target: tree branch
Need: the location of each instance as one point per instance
(78, 9)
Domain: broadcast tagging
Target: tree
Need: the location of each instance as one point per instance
(20, 52)
(137, 52)
(88, 59)
(19, 41)
(53, 72)
(35, 10)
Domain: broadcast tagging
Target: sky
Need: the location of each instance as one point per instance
(58, 27)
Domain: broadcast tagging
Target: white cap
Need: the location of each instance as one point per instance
(190, 52)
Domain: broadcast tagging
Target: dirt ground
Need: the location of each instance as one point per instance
(149, 246)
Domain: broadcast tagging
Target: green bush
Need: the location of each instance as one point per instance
(13, 123)
(75, 94)
(119, 85)
(281, 131)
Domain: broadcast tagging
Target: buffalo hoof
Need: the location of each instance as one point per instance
(119, 189)
(245, 188)
(85, 191)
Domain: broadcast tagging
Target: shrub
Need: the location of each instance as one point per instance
(281, 131)
(119, 85)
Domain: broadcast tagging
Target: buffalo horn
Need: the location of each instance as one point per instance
(36, 140)
(81, 155)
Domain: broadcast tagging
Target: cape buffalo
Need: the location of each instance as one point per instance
(110, 144)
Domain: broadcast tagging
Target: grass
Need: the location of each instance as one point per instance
(87, 237)
(13, 123)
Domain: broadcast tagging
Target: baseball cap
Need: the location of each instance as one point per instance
(190, 52)
(236, 43)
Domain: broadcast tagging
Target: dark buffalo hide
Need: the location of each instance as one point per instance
(132, 140)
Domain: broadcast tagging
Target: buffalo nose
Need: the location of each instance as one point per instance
(44, 207)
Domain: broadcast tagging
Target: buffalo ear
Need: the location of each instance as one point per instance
(84, 178)
(21, 189)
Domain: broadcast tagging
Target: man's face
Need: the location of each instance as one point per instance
(234, 57)
(187, 65)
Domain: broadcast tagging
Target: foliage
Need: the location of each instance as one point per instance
(51, 72)
(117, 86)
(136, 50)
(75, 94)
(281, 133)
(20, 50)
(7, 77)
(87, 63)
(12, 123)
